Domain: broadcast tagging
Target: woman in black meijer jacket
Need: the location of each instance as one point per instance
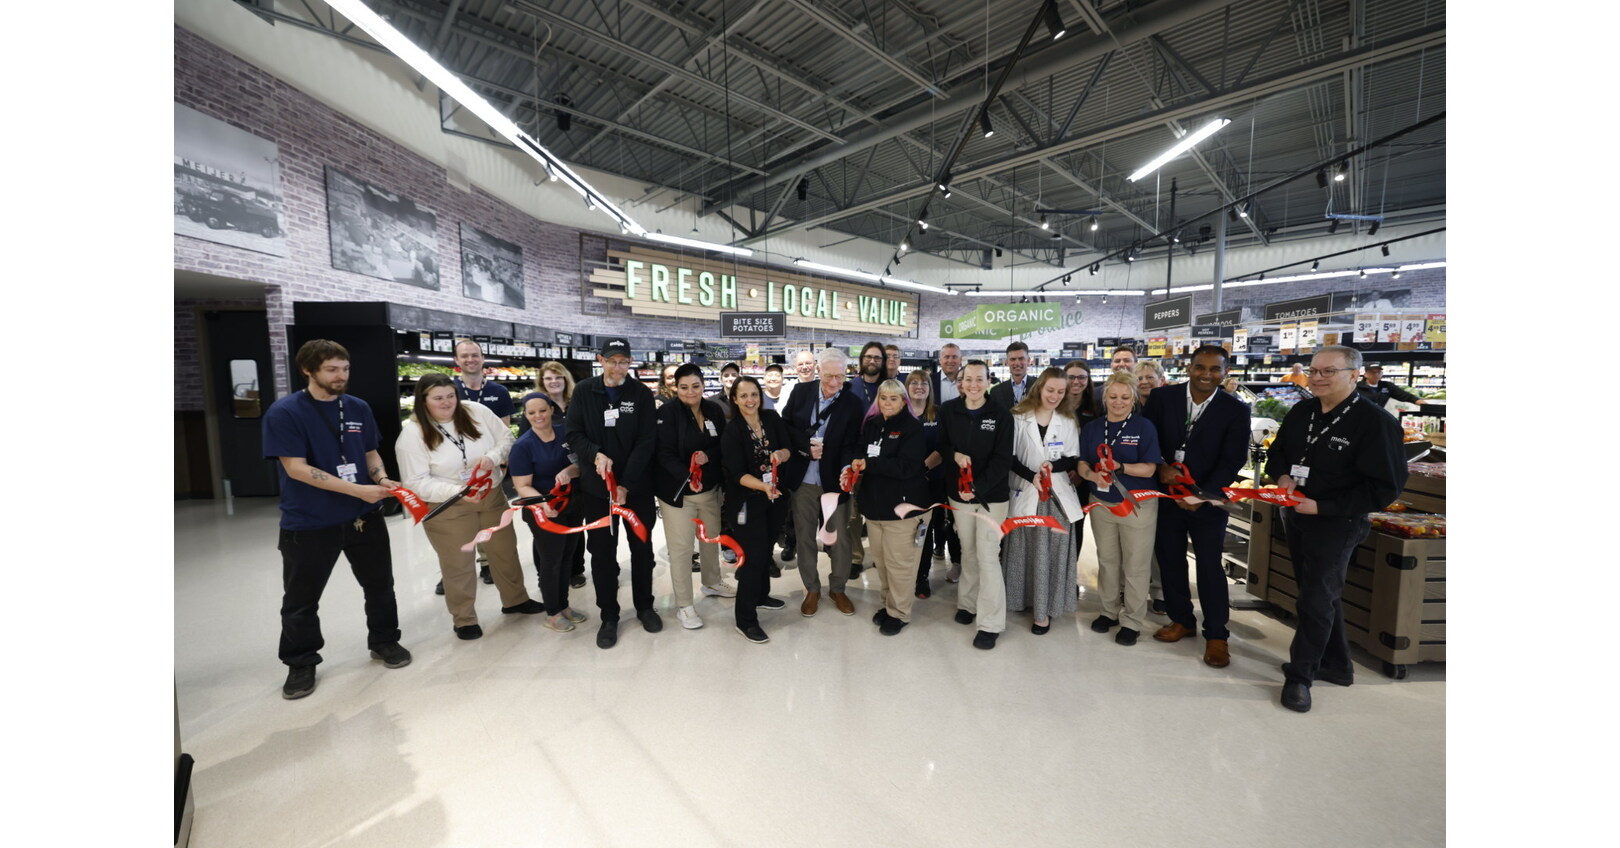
(890, 462)
(755, 505)
(689, 428)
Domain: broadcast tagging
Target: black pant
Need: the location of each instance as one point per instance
(307, 558)
(939, 526)
(1206, 526)
(765, 520)
(604, 547)
(1321, 548)
(553, 556)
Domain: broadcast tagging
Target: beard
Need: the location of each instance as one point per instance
(335, 386)
(871, 371)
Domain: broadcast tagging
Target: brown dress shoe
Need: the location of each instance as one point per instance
(842, 601)
(811, 601)
(1215, 653)
(1172, 632)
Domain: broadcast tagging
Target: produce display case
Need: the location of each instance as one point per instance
(1394, 597)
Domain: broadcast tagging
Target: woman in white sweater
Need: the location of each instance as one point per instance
(443, 445)
(1046, 445)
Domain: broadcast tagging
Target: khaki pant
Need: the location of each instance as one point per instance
(983, 591)
(1125, 561)
(896, 559)
(857, 551)
(680, 535)
(456, 526)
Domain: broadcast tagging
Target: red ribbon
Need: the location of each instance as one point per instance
(849, 478)
(1012, 523)
(630, 518)
(1048, 521)
(412, 502)
(964, 482)
(540, 518)
(1269, 494)
(1044, 481)
(776, 474)
(722, 539)
(694, 475)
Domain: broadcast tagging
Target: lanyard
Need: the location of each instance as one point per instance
(474, 395)
(822, 413)
(1311, 436)
(1195, 411)
(461, 443)
(343, 457)
(1110, 442)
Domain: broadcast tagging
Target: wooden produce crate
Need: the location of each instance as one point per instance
(1271, 573)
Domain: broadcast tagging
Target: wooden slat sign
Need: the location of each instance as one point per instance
(669, 285)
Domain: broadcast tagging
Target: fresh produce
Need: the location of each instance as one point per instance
(417, 370)
(1410, 525)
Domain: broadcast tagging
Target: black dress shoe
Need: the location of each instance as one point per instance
(1103, 624)
(578, 581)
(754, 634)
(1297, 697)
(608, 636)
(923, 591)
(529, 607)
(1156, 607)
(984, 640)
(880, 616)
(787, 554)
(1337, 678)
(483, 574)
(650, 621)
(1126, 636)
(964, 617)
(1040, 629)
(471, 631)
(439, 589)
(891, 625)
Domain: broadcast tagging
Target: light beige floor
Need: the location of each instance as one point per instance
(829, 735)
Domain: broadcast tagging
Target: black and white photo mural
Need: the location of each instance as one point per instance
(227, 184)
(381, 234)
(491, 268)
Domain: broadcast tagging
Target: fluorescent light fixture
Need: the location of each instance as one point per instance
(896, 281)
(701, 245)
(1020, 292)
(1180, 147)
(1180, 289)
(842, 272)
(396, 42)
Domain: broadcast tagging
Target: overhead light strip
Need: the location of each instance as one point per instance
(703, 245)
(1035, 293)
(870, 277)
(1180, 147)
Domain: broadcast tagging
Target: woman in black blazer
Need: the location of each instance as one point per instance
(689, 429)
(755, 505)
(891, 464)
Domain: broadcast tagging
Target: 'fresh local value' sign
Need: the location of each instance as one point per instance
(652, 282)
(1004, 320)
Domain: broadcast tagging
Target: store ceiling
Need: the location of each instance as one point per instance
(736, 102)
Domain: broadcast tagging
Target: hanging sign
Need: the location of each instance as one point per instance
(739, 325)
(1304, 307)
(1412, 331)
(1366, 327)
(1227, 318)
(1164, 314)
(1008, 320)
(1389, 329)
(1208, 331)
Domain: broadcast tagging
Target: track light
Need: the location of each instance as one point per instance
(1363, 274)
(624, 229)
(1243, 211)
(905, 245)
(1321, 178)
(945, 184)
(1373, 230)
(1093, 269)
(1066, 279)
(1094, 223)
(551, 171)
(1395, 276)
(1054, 23)
(565, 120)
(1045, 224)
(984, 123)
(804, 189)
(998, 251)
(1333, 226)
(1315, 265)
(590, 203)
(922, 221)
(1384, 249)
(1344, 168)
(1105, 300)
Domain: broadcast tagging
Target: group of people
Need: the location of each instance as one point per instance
(937, 460)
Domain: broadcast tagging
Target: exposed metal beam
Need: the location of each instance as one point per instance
(845, 30)
(1332, 66)
(1102, 197)
(1085, 93)
(443, 33)
(1180, 66)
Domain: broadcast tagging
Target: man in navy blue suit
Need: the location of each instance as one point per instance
(1207, 430)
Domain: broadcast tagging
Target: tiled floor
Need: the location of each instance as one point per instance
(829, 735)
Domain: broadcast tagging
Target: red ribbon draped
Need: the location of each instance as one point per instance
(1269, 494)
(722, 539)
(694, 475)
(630, 518)
(540, 519)
(412, 502)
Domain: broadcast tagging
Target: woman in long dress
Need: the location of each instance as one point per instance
(1046, 444)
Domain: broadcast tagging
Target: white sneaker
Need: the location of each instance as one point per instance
(688, 617)
(955, 574)
(724, 590)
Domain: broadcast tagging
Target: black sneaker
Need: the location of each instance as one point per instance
(483, 574)
(650, 621)
(964, 617)
(578, 581)
(392, 655)
(924, 592)
(1156, 607)
(985, 640)
(470, 632)
(439, 589)
(300, 682)
(788, 554)
(529, 607)
(1103, 624)
(855, 569)
(1125, 636)
(608, 636)
(880, 616)
(697, 562)
(770, 603)
(754, 634)
(891, 625)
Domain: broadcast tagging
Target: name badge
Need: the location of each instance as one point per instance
(710, 425)
(768, 478)
(1300, 473)
(1054, 450)
(611, 417)
(874, 449)
(1181, 456)
(348, 471)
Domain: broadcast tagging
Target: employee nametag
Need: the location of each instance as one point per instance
(769, 478)
(710, 425)
(1181, 456)
(874, 449)
(1300, 473)
(611, 417)
(1054, 450)
(348, 471)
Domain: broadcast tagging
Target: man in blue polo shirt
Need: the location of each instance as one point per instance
(326, 442)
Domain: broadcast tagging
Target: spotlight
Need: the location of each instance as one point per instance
(1315, 265)
(998, 251)
(1066, 279)
(945, 184)
(564, 119)
(1373, 230)
(923, 222)
(1045, 224)
(804, 189)
(1344, 168)
(984, 123)
(590, 203)
(1384, 249)
(1321, 178)
(1395, 276)
(551, 171)
(624, 229)
(1094, 223)
(1262, 275)
(1243, 211)
(1333, 226)
(1105, 300)
(1363, 274)
(1054, 24)
(905, 245)
(1094, 269)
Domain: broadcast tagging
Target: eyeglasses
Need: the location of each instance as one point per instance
(1326, 372)
(1077, 377)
